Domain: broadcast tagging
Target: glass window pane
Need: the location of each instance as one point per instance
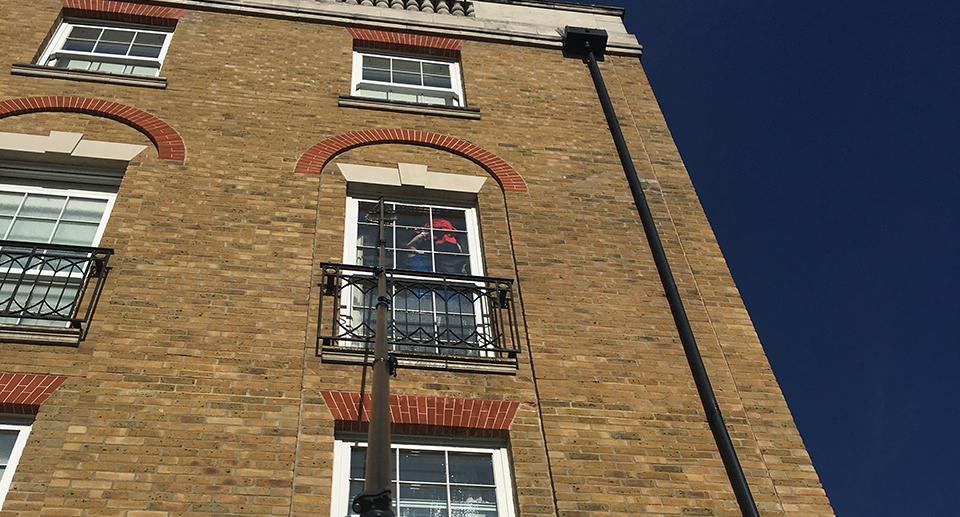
(436, 69)
(376, 75)
(471, 469)
(376, 62)
(404, 66)
(145, 70)
(473, 502)
(422, 466)
(422, 500)
(85, 33)
(75, 234)
(79, 45)
(149, 38)
(112, 47)
(436, 81)
(84, 209)
(358, 455)
(402, 97)
(8, 438)
(116, 36)
(39, 205)
(116, 68)
(10, 202)
(4, 226)
(372, 94)
(31, 230)
(406, 78)
(73, 64)
(145, 51)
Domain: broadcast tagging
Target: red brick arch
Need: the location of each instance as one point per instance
(314, 160)
(165, 138)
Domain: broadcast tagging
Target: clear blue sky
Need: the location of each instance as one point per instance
(824, 141)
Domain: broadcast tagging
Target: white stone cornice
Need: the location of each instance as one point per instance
(517, 23)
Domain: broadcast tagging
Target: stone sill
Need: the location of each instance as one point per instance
(26, 334)
(349, 101)
(333, 354)
(88, 76)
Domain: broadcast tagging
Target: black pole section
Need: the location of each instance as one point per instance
(375, 500)
(727, 453)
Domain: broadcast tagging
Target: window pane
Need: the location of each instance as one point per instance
(406, 78)
(75, 234)
(85, 209)
(116, 68)
(372, 94)
(436, 69)
(149, 38)
(10, 202)
(79, 45)
(471, 469)
(376, 75)
(145, 70)
(73, 64)
(31, 230)
(8, 438)
(4, 226)
(358, 455)
(145, 50)
(473, 502)
(423, 466)
(91, 33)
(404, 66)
(436, 81)
(422, 500)
(376, 62)
(38, 205)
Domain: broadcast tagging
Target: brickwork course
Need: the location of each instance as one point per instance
(198, 390)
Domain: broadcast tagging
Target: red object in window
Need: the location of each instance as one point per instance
(440, 238)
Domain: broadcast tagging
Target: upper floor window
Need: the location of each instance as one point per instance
(56, 193)
(407, 79)
(13, 437)
(425, 238)
(116, 48)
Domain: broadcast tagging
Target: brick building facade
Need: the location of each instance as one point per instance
(198, 172)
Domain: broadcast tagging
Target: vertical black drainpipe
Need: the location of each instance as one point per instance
(577, 42)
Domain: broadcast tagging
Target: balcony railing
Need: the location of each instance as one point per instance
(430, 314)
(50, 285)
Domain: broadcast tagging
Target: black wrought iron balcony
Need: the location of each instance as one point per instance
(50, 285)
(431, 314)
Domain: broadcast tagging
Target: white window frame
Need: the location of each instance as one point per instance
(55, 50)
(340, 497)
(63, 277)
(15, 454)
(453, 95)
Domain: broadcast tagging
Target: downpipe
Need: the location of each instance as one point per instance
(728, 454)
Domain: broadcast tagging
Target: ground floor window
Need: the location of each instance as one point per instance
(430, 480)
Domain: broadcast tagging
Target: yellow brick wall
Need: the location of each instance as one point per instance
(197, 390)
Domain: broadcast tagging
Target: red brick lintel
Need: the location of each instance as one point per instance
(123, 12)
(405, 42)
(434, 411)
(22, 393)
